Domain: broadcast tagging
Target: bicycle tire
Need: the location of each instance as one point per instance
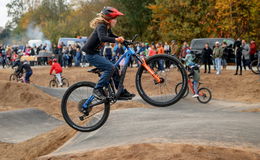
(53, 84)
(147, 92)
(65, 82)
(177, 90)
(254, 66)
(202, 98)
(68, 101)
(13, 77)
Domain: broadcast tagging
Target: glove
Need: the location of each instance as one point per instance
(120, 39)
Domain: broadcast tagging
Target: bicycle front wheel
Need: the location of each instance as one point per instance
(255, 67)
(204, 95)
(65, 82)
(13, 77)
(178, 89)
(171, 71)
(84, 120)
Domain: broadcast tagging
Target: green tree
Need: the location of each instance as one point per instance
(137, 17)
(180, 19)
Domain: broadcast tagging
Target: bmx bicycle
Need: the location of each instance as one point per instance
(16, 76)
(55, 83)
(204, 93)
(84, 112)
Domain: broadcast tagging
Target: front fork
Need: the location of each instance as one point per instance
(157, 79)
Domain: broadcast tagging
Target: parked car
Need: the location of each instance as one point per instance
(197, 46)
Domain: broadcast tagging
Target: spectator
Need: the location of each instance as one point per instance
(56, 51)
(39, 48)
(217, 54)
(84, 59)
(71, 54)
(245, 54)
(152, 50)
(174, 49)
(160, 50)
(224, 49)
(3, 57)
(238, 54)
(107, 52)
(77, 57)
(120, 50)
(252, 50)
(206, 57)
(65, 57)
(28, 50)
(8, 53)
(166, 48)
(183, 49)
(44, 47)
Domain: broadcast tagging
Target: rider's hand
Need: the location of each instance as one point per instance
(120, 39)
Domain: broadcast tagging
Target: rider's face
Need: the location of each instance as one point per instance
(113, 22)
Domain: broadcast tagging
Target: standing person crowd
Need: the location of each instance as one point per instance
(72, 55)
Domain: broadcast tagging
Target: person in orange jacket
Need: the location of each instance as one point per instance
(58, 70)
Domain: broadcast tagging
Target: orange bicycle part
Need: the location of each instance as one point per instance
(148, 68)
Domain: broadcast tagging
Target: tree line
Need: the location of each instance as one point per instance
(153, 20)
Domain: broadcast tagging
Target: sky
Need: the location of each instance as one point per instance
(3, 13)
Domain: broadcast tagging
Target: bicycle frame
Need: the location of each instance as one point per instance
(126, 56)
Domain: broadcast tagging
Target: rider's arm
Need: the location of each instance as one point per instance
(15, 64)
(191, 73)
(52, 68)
(110, 34)
(102, 34)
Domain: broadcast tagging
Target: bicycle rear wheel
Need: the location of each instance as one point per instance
(65, 82)
(53, 84)
(178, 88)
(204, 95)
(171, 71)
(255, 66)
(84, 120)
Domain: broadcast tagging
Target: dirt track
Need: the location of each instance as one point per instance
(13, 96)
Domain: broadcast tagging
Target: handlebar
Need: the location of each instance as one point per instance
(129, 42)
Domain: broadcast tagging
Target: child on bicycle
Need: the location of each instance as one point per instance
(102, 33)
(188, 58)
(195, 75)
(28, 71)
(58, 70)
(19, 65)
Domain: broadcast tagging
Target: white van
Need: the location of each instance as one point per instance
(38, 42)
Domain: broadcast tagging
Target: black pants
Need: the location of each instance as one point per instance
(239, 65)
(252, 57)
(207, 63)
(246, 62)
